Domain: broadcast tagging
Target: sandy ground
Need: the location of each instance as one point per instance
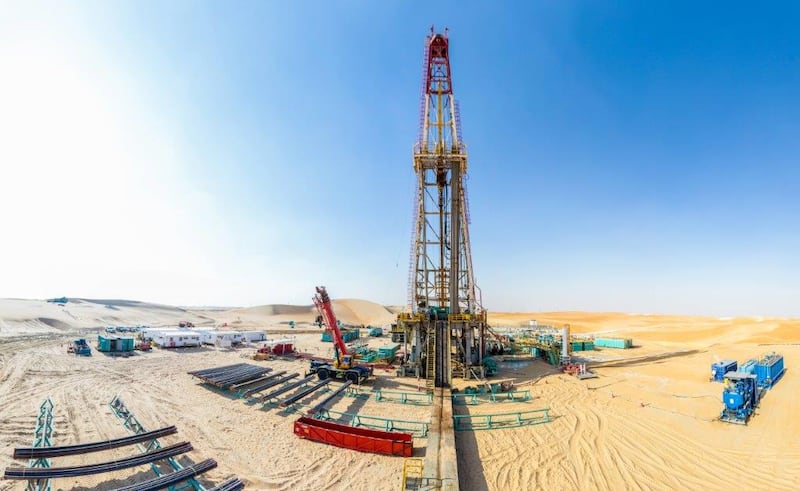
(647, 421)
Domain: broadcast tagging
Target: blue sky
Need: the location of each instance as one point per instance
(627, 156)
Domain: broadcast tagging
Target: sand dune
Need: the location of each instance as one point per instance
(647, 422)
(38, 316)
(349, 311)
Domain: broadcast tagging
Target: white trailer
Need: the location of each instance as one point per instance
(224, 339)
(254, 336)
(148, 333)
(176, 339)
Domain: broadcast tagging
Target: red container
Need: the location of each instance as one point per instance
(282, 349)
(354, 438)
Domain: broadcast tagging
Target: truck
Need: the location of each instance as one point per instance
(344, 365)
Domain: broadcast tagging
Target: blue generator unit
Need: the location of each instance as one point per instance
(748, 367)
(740, 397)
(769, 369)
(720, 368)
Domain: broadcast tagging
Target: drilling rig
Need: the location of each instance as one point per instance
(444, 324)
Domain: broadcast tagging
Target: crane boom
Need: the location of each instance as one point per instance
(344, 366)
(323, 303)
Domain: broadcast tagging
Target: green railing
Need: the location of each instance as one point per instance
(475, 399)
(416, 428)
(471, 422)
(417, 398)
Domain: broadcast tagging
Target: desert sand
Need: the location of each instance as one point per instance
(647, 422)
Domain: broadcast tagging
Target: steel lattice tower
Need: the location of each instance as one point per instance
(445, 323)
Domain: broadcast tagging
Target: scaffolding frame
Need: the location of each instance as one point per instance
(42, 437)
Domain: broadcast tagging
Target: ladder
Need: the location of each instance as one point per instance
(412, 474)
(430, 358)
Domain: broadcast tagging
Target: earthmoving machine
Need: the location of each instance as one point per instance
(741, 396)
(344, 365)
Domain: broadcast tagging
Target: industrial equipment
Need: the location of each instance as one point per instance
(769, 369)
(720, 368)
(277, 347)
(741, 396)
(344, 364)
(143, 346)
(444, 325)
(80, 347)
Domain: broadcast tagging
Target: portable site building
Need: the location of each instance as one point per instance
(176, 339)
(219, 338)
(114, 344)
(254, 336)
(148, 333)
(619, 343)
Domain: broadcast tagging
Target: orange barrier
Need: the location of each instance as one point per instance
(354, 438)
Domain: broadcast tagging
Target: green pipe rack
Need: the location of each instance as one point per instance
(416, 428)
(416, 398)
(42, 437)
(475, 399)
(471, 422)
(130, 422)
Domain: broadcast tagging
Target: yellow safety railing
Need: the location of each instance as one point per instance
(412, 474)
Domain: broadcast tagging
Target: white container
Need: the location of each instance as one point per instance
(254, 336)
(176, 339)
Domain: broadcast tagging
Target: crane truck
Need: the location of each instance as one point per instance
(344, 365)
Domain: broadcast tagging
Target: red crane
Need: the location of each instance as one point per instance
(344, 366)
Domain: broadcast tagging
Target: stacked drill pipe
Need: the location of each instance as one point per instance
(268, 382)
(48, 452)
(305, 392)
(232, 484)
(287, 388)
(168, 480)
(319, 407)
(231, 375)
(86, 470)
(247, 386)
(209, 371)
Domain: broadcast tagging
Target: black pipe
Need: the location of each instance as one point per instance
(319, 407)
(32, 473)
(81, 448)
(272, 383)
(265, 382)
(231, 484)
(167, 480)
(287, 388)
(303, 393)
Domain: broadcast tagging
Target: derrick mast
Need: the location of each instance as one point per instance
(444, 322)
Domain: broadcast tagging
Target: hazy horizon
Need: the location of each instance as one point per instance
(622, 158)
